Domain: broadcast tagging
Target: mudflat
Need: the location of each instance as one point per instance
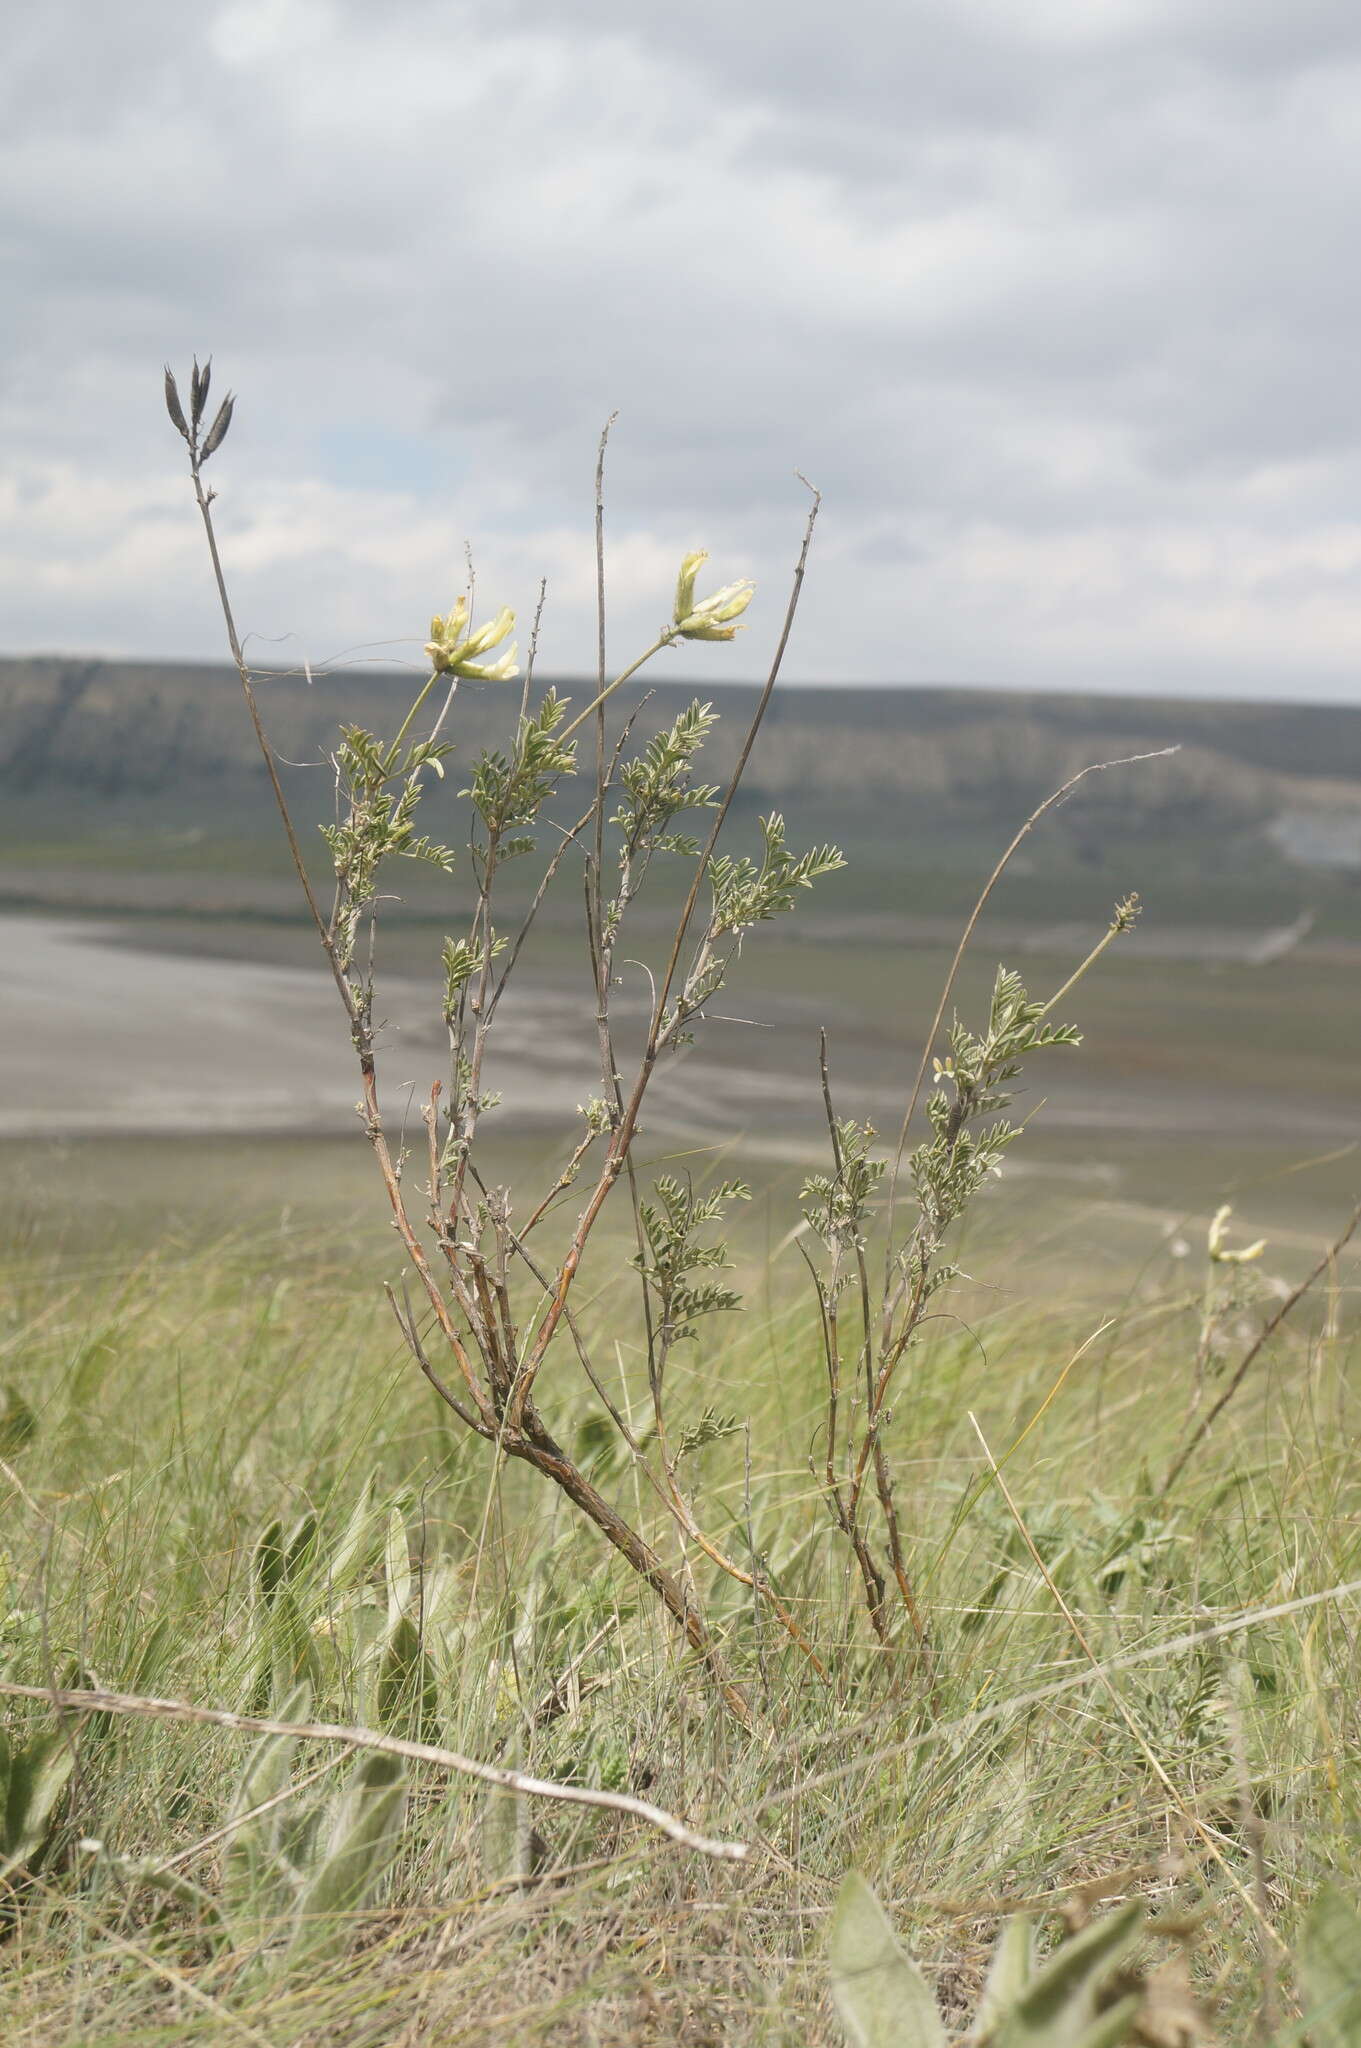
(107, 1033)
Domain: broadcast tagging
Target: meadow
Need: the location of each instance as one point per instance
(812, 1551)
(197, 1353)
(177, 1392)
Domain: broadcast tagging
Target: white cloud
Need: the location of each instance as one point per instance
(251, 32)
(1056, 304)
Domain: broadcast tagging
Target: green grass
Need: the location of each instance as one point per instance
(177, 1400)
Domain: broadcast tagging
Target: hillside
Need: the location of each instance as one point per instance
(1256, 818)
(118, 728)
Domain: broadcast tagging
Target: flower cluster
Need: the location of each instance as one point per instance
(453, 649)
(1220, 1255)
(711, 618)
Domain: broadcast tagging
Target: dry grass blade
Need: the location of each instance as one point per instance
(1099, 1671)
(1050, 803)
(960, 1727)
(1269, 1329)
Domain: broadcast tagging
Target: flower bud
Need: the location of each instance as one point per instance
(217, 433)
(172, 403)
(685, 583)
(1220, 1255)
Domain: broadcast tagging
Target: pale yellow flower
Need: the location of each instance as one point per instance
(453, 649)
(711, 618)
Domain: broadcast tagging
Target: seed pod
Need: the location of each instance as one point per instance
(217, 433)
(172, 403)
(198, 389)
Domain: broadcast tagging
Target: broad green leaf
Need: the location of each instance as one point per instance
(1058, 2009)
(151, 1655)
(267, 1562)
(444, 1595)
(350, 1651)
(363, 1842)
(290, 1659)
(268, 1768)
(355, 1549)
(135, 1870)
(18, 1423)
(255, 1884)
(37, 1777)
(1113, 2026)
(1330, 1970)
(398, 1565)
(1008, 1975)
(881, 1997)
(176, 1886)
(301, 1547)
(408, 1697)
(507, 1826)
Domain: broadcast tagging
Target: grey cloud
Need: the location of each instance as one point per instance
(1025, 289)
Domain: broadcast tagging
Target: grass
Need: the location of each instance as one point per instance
(169, 1404)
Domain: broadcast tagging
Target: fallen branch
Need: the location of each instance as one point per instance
(138, 1705)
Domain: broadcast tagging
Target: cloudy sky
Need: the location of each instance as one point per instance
(1059, 303)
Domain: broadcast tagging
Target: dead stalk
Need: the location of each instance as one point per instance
(1268, 1330)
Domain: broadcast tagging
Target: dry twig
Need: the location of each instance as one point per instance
(147, 1708)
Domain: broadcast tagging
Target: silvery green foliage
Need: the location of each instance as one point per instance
(709, 1428)
(298, 1866)
(837, 1206)
(947, 1171)
(463, 959)
(319, 1618)
(673, 1255)
(1329, 1971)
(952, 1166)
(280, 1629)
(747, 892)
(1064, 2002)
(33, 1776)
(380, 785)
(507, 792)
(881, 1997)
(658, 790)
(743, 893)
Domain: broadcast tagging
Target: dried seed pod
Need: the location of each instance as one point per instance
(217, 433)
(172, 402)
(198, 389)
